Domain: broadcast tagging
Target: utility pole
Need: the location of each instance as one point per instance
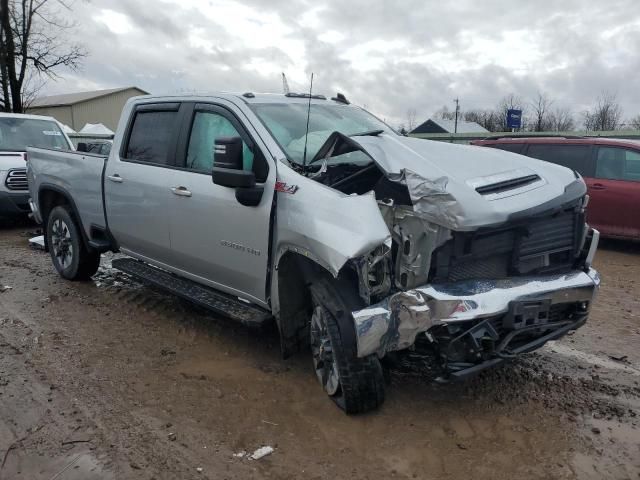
(455, 129)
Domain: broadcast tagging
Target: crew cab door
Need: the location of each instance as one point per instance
(214, 238)
(137, 182)
(614, 207)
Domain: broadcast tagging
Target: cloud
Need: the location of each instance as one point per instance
(386, 55)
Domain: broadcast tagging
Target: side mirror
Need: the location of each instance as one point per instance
(228, 164)
(82, 147)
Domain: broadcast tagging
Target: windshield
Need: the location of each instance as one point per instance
(16, 134)
(287, 122)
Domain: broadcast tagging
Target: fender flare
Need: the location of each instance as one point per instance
(61, 191)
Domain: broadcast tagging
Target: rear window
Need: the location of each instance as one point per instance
(575, 157)
(16, 134)
(618, 164)
(509, 147)
(150, 136)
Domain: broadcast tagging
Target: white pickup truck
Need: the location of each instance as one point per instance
(361, 244)
(17, 132)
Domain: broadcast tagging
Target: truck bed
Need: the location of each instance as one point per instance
(78, 174)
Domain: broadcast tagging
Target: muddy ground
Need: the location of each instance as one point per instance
(111, 379)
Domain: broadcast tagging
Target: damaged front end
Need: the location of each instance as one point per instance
(471, 292)
(475, 324)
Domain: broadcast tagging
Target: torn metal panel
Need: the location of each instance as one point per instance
(416, 238)
(374, 273)
(431, 199)
(394, 323)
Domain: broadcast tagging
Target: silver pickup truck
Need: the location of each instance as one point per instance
(363, 245)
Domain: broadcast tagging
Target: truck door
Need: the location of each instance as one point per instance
(614, 207)
(215, 239)
(137, 182)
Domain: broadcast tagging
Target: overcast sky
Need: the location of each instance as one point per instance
(389, 56)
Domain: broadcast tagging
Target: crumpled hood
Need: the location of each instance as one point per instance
(443, 179)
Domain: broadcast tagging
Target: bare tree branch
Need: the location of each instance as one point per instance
(605, 115)
(31, 46)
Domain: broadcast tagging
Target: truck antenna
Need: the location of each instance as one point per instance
(306, 135)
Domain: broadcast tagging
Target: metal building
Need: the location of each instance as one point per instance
(78, 109)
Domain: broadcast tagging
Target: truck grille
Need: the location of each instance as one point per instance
(540, 246)
(17, 179)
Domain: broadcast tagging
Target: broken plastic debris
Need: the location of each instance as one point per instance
(262, 452)
(199, 469)
(240, 454)
(37, 242)
(4, 288)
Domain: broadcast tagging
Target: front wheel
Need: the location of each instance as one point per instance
(69, 255)
(355, 384)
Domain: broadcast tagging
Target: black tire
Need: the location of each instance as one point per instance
(359, 386)
(69, 254)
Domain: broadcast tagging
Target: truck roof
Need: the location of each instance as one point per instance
(24, 115)
(251, 97)
(559, 140)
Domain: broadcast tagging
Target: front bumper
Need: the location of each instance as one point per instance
(13, 204)
(394, 323)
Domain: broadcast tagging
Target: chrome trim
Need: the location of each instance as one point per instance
(17, 179)
(394, 323)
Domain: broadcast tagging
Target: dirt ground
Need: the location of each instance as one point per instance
(110, 379)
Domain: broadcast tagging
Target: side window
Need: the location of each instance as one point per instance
(618, 164)
(207, 126)
(575, 157)
(509, 147)
(150, 136)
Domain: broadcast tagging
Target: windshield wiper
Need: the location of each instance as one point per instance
(369, 133)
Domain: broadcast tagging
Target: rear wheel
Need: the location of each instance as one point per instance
(68, 252)
(355, 384)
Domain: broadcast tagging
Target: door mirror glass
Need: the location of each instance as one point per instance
(82, 147)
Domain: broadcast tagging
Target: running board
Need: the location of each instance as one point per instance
(221, 303)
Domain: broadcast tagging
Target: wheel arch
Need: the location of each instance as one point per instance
(295, 277)
(51, 196)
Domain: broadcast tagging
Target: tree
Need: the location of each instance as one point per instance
(635, 122)
(561, 120)
(488, 119)
(540, 108)
(510, 102)
(605, 115)
(32, 47)
(411, 119)
(444, 114)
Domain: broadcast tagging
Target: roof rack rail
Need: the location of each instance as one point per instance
(528, 135)
(304, 95)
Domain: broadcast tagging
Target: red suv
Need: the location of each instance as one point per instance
(610, 167)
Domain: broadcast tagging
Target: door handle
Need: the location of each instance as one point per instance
(181, 191)
(598, 186)
(115, 178)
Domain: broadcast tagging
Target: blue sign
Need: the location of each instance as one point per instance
(514, 118)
